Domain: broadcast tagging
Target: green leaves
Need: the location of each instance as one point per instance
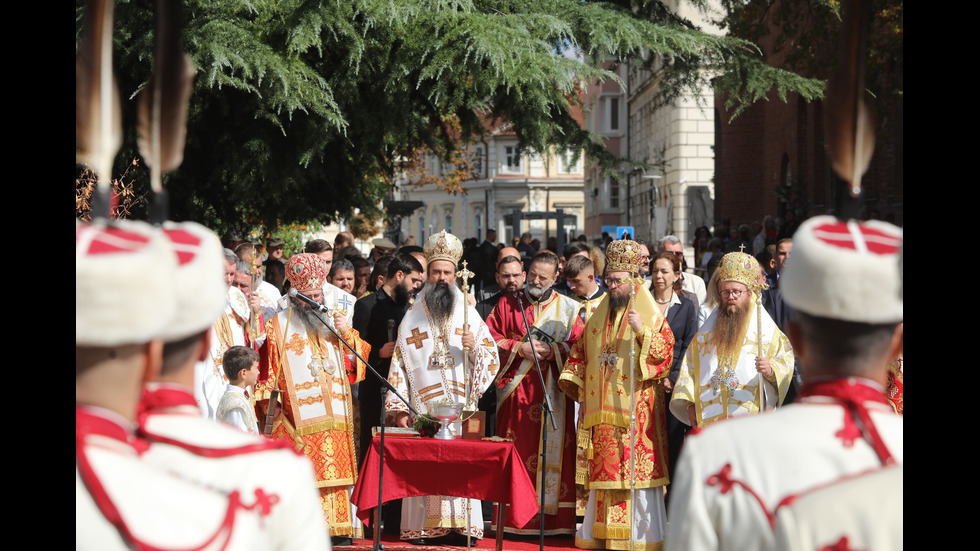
(301, 109)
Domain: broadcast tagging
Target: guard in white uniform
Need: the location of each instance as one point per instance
(124, 298)
(260, 471)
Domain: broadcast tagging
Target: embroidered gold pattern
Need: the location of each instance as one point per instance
(417, 338)
(295, 344)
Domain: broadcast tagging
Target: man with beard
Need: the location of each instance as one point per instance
(739, 362)
(510, 277)
(376, 318)
(489, 290)
(555, 325)
(427, 368)
(314, 371)
(626, 347)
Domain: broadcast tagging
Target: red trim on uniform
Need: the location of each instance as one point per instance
(852, 394)
(87, 424)
(724, 480)
(840, 545)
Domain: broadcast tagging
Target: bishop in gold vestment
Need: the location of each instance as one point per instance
(625, 336)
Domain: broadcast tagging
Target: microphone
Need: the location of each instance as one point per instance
(391, 330)
(312, 303)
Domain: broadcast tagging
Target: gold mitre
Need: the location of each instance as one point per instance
(623, 256)
(743, 268)
(443, 246)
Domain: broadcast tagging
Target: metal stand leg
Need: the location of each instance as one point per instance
(501, 511)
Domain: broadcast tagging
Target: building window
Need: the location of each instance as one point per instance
(422, 235)
(477, 225)
(512, 160)
(614, 113)
(478, 155)
(565, 164)
(612, 192)
(610, 114)
(571, 225)
(536, 161)
(508, 219)
(449, 222)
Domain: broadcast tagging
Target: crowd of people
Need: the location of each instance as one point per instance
(244, 399)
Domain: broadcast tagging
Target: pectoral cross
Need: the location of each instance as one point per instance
(609, 359)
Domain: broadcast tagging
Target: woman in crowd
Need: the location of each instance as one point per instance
(681, 313)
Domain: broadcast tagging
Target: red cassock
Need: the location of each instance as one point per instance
(555, 321)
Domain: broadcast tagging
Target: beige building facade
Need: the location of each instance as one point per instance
(505, 180)
(674, 193)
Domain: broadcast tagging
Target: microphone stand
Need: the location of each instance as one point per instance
(547, 408)
(385, 387)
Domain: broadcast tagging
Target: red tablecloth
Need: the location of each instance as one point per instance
(491, 471)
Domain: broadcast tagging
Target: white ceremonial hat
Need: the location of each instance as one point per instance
(201, 289)
(443, 246)
(125, 282)
(847, 271)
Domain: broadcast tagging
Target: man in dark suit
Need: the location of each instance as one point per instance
(777, 256)
(493, 288)
(487, 251)
(510, 277)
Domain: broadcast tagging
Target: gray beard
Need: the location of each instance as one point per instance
(617, 303)
(311, 319)
(535, 292)
(439, 301)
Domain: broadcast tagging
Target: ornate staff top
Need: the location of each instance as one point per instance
(465, 275)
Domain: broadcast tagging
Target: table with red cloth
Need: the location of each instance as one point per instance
(491, 471)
